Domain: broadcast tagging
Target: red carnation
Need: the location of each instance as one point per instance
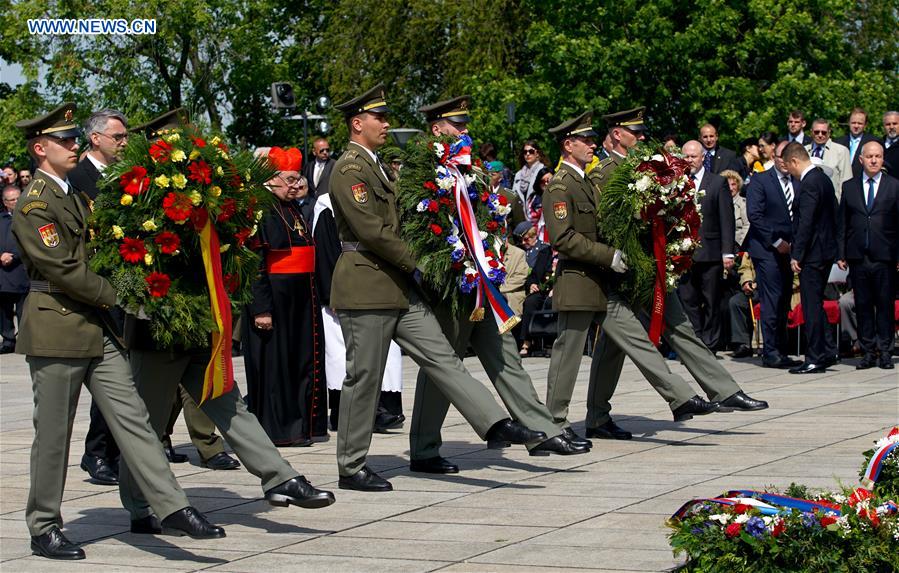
(742, 508)
(228, 209)
(158, 283)
(779, 528)
(733, 529)
(433, 206)
(469, 278)
(132, 250)
(485, 196)
(199, 142)
(200, 172)
(168, 242)
(503, 200)
(242, 235)
(492, 226)
(828, 520)
(177, 206)
(436, 229)
(222, 146)
(160, 151)
(135, 181)
(430, 186)
(493, 263)
(445, 201)
(231, 282)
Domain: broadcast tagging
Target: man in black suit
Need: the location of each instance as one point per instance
(317, 170)
(14, 283)
(868, 243)
(813, 252)
(796, 128)
(716, 158)
(769, 206)
(856, 138)
(891, 143)
(702, 288)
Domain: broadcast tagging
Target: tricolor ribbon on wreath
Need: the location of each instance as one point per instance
(219, 377)
(872, 472)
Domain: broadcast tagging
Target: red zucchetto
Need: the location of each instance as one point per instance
(290, 159)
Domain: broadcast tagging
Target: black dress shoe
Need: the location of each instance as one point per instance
(299, 492)
(808, 368)
(54, 545)
(298, 443)
(507, 432)
(742, 351)
(558, 445)
(782, 362)
(222, 461)
(6, 349)
(435, 465)
(364, 480)
(609, 431)
(101, 471)
(386, 421)
(146, 525)
(173, 456)
(575, 439)
(695, 406)
(866, 362)
(190, 522)
(831, 361)
(886, 362)
(740, 401)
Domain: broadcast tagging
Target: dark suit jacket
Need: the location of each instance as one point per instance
(718, 226)
(309, 171)
(881, 224)
(13, 278)
(542, 267)
(806, 138)
(856, 164)
(84, 178)
(891, 158)
(769, 219)
(724, 159)
(815, 220)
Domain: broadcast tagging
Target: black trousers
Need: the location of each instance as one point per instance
(812, 280)
(872, 282)
(701, 294)
(10, 308)
(774, 281)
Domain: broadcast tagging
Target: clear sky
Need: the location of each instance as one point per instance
(11, 74)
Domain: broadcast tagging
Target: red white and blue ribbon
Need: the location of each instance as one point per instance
(875, 464)
(766, 503)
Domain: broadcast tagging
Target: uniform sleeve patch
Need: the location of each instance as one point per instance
(350, 167)
(34, 205)
(560, 210)
(360, 193)
(48, 234)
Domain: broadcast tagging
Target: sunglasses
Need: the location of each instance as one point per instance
(820, 131)
(530, 151)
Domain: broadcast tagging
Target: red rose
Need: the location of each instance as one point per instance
(493, 263)
(436, 229)
(228, 209)
(503, 200)
(430, 186)
(742, 508)
(200, 172)
(198, 218)
(779, 528)
(158, 283)
(132, 250)
(199, 142)
(433, 206)
(168, 242)
(135, 181)
(733, 529)
(160, 151)
(231, 282)
(242, 235)
(828, 520)
(177, 206)
(492, 226)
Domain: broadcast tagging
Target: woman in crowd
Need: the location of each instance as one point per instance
(532, 161)
(767, 144)
(282, 330)
(741, 218)
(535, 207)
(749, 159)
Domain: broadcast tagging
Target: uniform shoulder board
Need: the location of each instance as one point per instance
(36, 187)
(350, 154)
(349, 167)
(28, 207)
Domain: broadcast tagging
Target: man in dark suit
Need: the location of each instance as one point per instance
(795, 128)
(716, 158)
(769, 205)
(891, 143)
(868, 243)
(702, 289)
(856, 138)
(812, 256)
(317, 170)
(13, 278)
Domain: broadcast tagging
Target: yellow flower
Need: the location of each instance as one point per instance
(215, 191)
(126, 199)
(215, 140)
(195, 198)
(194, 154)
(178, 155)
(222, 154)
(224, 247)
(172, 138)
(259, 215)
(162, 181)
(117, 232)
(248, 176)
(253, 232)
(179, 181)
(219, 171)
(148, 259)
(149, 225)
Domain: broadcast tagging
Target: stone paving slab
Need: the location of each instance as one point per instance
(505, 512)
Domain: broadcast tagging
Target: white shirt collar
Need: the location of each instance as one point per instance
(806, 170)
(699, 174)
(372, 154)
(100, 166)
(876, 178)
(62, 184)
(577, 169)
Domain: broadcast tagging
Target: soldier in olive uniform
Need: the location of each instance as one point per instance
(624, 334)
(68, 339)
(372, 292)
(158, 374)
(497, 352)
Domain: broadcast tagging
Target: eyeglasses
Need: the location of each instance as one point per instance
(325, 150)
(118, 137)
(530, 151)
(290, 181)
(820, 131)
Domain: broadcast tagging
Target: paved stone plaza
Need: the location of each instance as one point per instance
(504, 512)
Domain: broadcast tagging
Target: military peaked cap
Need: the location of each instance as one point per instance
(455, 110)
(631, 119)
(58, 123)
(372, 101)
(581, 126)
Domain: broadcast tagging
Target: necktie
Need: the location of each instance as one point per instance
(317, 173)
(853, 145)
(869, 204)
(818, 152)
(788, 193)
(890, 143)
(707, 161)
